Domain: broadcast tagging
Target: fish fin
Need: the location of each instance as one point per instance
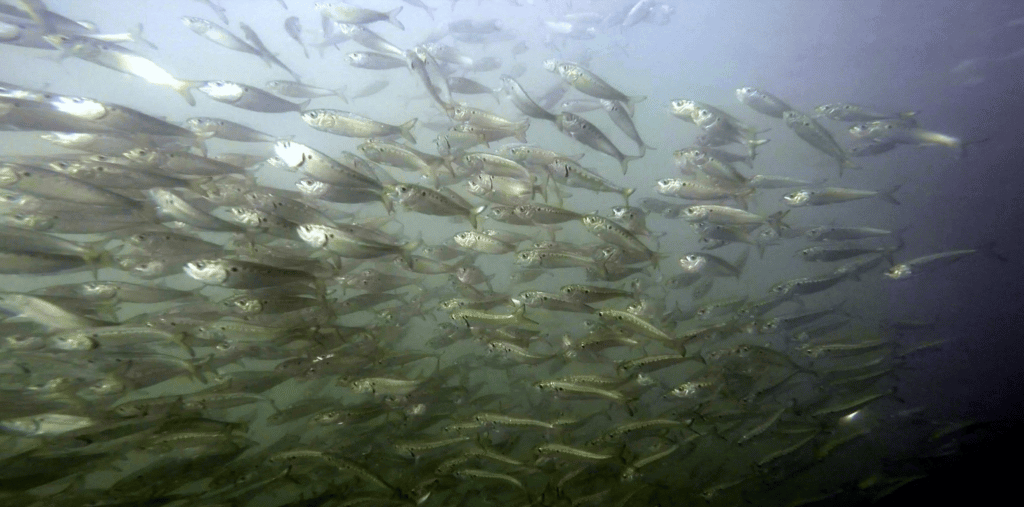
(626, 192)
(629, 158)
(340, 92)
(989, 248)
(184, 88)
(631, 103)
(752, 145)
(962, 146)
(520, 130)
(137, 36)
(887, 195)
(406, 130)
(776, 223)
(741, 262)
(393, 20)
(474, 216)
(846, 163)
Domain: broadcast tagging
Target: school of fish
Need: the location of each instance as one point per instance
(431, 311)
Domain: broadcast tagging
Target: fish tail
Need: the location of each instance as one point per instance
(629, 158)
(474, 216)
(632, 101)
(887, 195)
(406, 130)
(137, 36)
(775, 221)
(626, 192)
(520, 130)
(846, 163)
(752, 145)
(184, 88)
(340, 92)
(393, 20)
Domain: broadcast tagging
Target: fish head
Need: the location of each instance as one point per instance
(209, 271)
(768, 326)
(746, 92)
(809, 253)
(80, 107)
(798, 198)
(313, 234)
(816, 232)
(222, 90)
(591, 221)
(527, 258)
(99, 290)
(825, 109)
(311, 188)
(198, 25)
(696, 213)
(899, 272)
(73, 341)
(668, 185)
(247, 216)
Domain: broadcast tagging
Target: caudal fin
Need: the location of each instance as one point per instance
(406, 130)
(631, 103)
(888, 195)
(184, 88)
(627, 159)
(393, 20)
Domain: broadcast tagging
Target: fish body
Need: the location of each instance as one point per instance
(348, 124)
(857, 113)
(832, 233)
(818, 137)
(517, 94)
(374, 61)
(925, 264)
(293, 27)
(587, 133)
(247, 97)
(239, 274)
(762, 101)
(123, 60)
(225, 129)
(589, 83)
(833, 195)
(299, 90)
(344, 13)
(569, 172)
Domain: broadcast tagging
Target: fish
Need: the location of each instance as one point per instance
(293, 27)
(239, 274)
(433, 202)
(298, 90)
(122, 60)
(225, 129)
(857, 113)
(264, 52)
(344, 123)
(762, 101)
(833, 195)
(247, 97)
(925, 264)
(526, 105)
(818, 137)
(219, 35)
(894, 132)
(375, 61)
(589, 83)
(585, 132)
(622, 120)
(344, 13)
